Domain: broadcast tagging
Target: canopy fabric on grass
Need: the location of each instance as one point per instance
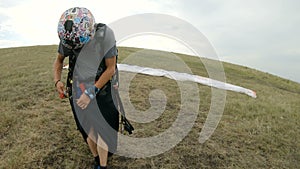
(185, 77)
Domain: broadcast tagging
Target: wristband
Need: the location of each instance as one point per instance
(91, 92)
(57, 82)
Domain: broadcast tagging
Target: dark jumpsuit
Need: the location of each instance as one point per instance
(104, 119)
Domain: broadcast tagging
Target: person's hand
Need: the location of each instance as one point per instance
(83, 101)
(60, 87)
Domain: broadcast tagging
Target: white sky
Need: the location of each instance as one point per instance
(261, 34)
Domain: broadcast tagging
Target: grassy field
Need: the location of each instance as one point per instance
(37, 129)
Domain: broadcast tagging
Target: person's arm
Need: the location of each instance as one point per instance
(57, 69)
(110, 63)
(108, 73)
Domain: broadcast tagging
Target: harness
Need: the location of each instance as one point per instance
(100, 34)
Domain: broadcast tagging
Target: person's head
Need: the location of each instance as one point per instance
(76, 27)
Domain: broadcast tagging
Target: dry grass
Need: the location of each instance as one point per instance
(37, 129)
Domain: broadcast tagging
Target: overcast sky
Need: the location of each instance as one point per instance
(261, 34)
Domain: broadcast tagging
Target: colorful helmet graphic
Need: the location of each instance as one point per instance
(76, 27)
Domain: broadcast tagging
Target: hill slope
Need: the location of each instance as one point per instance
(37, 129)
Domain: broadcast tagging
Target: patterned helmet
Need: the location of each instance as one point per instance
(76, 27)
